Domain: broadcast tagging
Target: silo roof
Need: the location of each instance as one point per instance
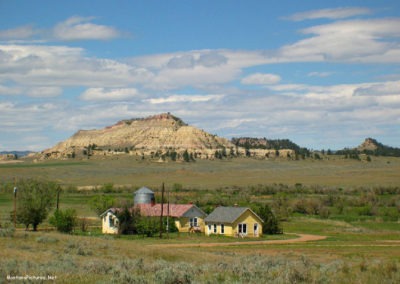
(144, 190)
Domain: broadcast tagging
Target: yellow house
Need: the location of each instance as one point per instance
(234, 222)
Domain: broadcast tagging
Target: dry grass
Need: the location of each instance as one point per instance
(79, 259)
(338, 172)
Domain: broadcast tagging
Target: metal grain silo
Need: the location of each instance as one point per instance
(144, 196)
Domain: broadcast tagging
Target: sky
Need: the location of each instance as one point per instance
(324, 74)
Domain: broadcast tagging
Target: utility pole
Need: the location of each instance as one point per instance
(162, 209)
(58, 196)
(15, 203)
(168, 215)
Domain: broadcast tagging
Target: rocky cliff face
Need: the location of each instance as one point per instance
(369, 144)
(146, 136)
(7, 157)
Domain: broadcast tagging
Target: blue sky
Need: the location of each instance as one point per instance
(325, 74)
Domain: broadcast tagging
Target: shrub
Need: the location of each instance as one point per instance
(64, 221)
(46, 240)
(7, 232)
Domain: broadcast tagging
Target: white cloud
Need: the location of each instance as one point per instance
(5, 90)
(261, 79)
(80, 28)
(185, 99)
(212, 59)
(356, 41)
(74, 28)
(391, 88)
(335, 13)
(101, 94)
(65, 66)
(181, 62)
(22, 32)
(44, 92)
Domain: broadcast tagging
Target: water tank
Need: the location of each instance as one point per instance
(144, 196)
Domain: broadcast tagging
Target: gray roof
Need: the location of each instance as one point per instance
(226, 214)
(144, 190)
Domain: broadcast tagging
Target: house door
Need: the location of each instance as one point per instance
(256, 229)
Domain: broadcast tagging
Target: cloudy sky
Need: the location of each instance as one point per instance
(325, 74)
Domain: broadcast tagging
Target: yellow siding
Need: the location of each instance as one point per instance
(106, 228)
(231, 230)
(249, 219)
(227, 230)
(183, 224)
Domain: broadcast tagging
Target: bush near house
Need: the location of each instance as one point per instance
(64, 221)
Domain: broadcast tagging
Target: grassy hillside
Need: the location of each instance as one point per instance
(211, 174)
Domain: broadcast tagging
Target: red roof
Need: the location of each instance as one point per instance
(154, 210)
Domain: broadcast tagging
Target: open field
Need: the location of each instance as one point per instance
(364, 256)
(356, 205)
(382, 171)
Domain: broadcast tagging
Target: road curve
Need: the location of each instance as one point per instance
(302, 238)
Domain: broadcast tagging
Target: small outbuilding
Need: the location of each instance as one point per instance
(233, 221)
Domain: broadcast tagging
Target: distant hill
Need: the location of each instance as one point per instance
(371, 146)
(17, 154)
(155, 135)
(263, 143)
(163, 136)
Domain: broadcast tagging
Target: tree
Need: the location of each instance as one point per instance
(64, 221)
(173, 155)
(148, 226)
(35, 200)
(101, 203)
(271, 223)
(128, 220)
(186, 156)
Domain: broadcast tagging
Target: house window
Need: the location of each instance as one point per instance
(110, 221)
(193, 222)
(222, 229)
(242, 229)
(209, 228)
(215, 228)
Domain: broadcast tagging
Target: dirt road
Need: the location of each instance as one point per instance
(300, 239)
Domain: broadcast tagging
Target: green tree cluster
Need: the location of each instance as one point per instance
(271, 223)
(35, 199)
(101, 203)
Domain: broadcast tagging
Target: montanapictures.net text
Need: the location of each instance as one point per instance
(31, 277)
